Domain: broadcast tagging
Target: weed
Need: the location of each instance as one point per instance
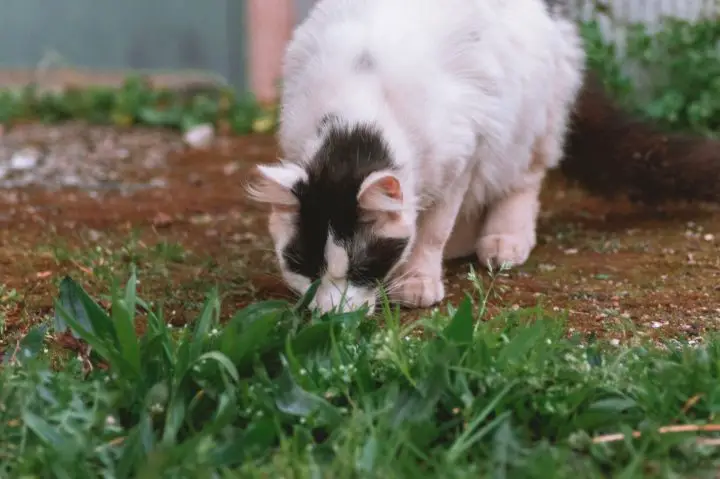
(278, 391)
(676, 69)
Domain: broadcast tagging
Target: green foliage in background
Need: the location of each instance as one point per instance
(277, 392)
(138, 103)
(680, 88)
(680, 72)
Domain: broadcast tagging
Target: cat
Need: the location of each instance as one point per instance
(414, 131)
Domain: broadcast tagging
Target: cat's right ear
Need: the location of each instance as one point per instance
(273, 184)
(381, 192)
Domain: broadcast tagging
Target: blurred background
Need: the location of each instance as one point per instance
(239, 43)
(233, 41)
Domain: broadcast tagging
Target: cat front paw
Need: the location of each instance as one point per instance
(508, 250)
(418, 290)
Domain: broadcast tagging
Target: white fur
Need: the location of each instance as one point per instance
(473, 97)
(334, 291)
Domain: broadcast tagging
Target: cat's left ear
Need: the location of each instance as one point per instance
(273, 184)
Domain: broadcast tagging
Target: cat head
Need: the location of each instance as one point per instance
(344, 218)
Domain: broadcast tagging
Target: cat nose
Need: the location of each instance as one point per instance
(327, 301)
(323, 303)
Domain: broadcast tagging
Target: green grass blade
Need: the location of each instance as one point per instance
(251, 331)
(307, 298)
(522, 343)
(29, 346)
(460, 329)
(101, 346)
(175, 417)
(222, 361)
(295, 401)
(135, 448)
(209, 318)
(158, 328)
(128, 344)
(69, 298)
(47, 433)
(470, 436)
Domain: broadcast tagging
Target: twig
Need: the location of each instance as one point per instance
(606, 438)
(13, 359)
(709, 441)
(690, 403)
(82, 268)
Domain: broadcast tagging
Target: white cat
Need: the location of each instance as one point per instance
(414, 130)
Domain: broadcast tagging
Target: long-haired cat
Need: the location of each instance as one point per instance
(413, 130)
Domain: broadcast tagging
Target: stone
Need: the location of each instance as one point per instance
(25, 159)
(200, 136)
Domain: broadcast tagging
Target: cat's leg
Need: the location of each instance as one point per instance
(508, 234)
(509, 231)
(420, 279)
(463, 239)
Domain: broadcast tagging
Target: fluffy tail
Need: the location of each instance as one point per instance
(609, 152)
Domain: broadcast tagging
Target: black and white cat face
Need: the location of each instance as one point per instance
(341, 218)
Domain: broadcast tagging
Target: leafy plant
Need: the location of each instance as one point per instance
(280, 392)
(676, 79)
(137, 102)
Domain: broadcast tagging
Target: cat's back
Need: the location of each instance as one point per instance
(442, 67)
(403, 35)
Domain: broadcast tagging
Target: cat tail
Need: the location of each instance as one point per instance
(610, 152)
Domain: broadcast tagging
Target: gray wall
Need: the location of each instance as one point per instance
(302, 7)
(146, 34)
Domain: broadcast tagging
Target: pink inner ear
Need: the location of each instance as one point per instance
(381, 192)
(391, 187)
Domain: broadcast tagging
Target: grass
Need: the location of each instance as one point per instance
(280, 392)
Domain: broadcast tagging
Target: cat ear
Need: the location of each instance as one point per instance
(381, 192)
(273, 184)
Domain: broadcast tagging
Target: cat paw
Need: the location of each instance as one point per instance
(507, 250)
(420, 290)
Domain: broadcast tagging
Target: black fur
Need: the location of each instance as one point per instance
(325, 122)
(328, 202)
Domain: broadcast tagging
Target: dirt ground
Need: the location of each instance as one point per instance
(618, 270)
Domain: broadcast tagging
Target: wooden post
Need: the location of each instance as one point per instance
(270, 23)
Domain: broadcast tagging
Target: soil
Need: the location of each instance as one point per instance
(616, 270)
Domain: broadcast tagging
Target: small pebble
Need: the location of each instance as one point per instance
(200, 136)
(158, 183)
(231, 168)
(94, 236)
(25, 159)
